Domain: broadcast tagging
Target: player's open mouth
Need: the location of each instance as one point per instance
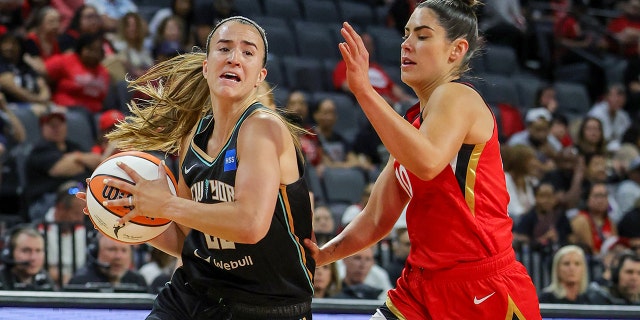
(230, 76)
(407, 61)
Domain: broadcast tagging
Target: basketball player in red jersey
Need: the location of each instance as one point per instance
(446, 168)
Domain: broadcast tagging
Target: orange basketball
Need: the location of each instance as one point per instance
(139, 229)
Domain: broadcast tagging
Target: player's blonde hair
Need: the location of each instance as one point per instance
(178, 97)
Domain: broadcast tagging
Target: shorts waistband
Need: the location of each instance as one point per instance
(244, 310)
(470, 270)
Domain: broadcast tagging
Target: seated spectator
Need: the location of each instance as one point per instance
(625, 281)
(326, 281)
(41, 43)
(338, 151)
(632, 84)
(368, 144)
(170, 30)
(629, 227)
(106, 122)
(80, 81)
(537, 135)
(611, 249)
(503, 23)
(567, 177)
(23, 259)
(545, 227)
(628, 191)
(380, 80)
(626, 29)
(129, 43)
(53, 161)
(297, 108)
(590, 139)
(12, 132)
(569, 278)
(109, 265)
(86, 20)
(356, 269)
(560, 130)
(111, 11)
(18, 80)
(324, 225)
(65, 229)
(522, 171)
(401, 246)
(184, 9)
(160, 265)
(592, 225)
(615, 120)
(599, 171)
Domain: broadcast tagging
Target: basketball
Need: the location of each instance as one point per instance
(139, 229)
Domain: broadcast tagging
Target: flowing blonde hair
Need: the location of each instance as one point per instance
(178, 97)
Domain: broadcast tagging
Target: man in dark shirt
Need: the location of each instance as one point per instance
(108, 268)
(23, 261)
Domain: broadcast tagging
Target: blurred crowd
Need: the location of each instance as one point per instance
(573, 175)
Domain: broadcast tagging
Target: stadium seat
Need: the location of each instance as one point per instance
(356, 13)
(499, 89)
(343, 185)
(573, 99)
(528, 87)
(287, 9)
(314, 40)
(275, 75)
(321, 11)
(79, 130)
(281, 40)
(500, 60)
(304, 73)
(30, 122)
(249, 8)
(387, 44)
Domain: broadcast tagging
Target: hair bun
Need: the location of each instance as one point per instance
(471, 3)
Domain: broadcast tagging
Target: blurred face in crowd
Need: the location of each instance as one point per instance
(89, 20)
(402, 245)
(326, 116)
(548, 99)
(616, 98)
(54, 130)
(538, 131)
(50, 23)
(322, 277)
(357, 266)
(597, 168)
(629, 278)
(115, 254)
(28, 248)
(297, 104)
(323, 220)
(546, 198)
(598, 201)
(571, 268)
(592, 132)
(10, 49)
(182, 7)
(92, 54)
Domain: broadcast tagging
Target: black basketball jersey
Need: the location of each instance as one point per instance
(276, 270)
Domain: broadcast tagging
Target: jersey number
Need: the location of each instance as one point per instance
(215, 243)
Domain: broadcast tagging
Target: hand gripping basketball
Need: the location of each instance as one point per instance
(147, 197)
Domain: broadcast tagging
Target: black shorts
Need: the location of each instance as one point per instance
(180, 301)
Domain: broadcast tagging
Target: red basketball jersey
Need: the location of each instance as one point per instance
(461, 214)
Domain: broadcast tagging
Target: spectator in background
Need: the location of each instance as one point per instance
(626, 28)
(11, 19)
(592, 225)
(537, 135)
(560, 130)
(629, 227)
(207, 15)
(522, 171)
(66, 8)
(65, 230)
(18, 80)
(78, 78)
(545, 227)
(615, 120)
(297, 109)
(42, 40)
(169, 31)
(184, 9)
(52, 161)
(399, 13)
(109, 263)
(567, 177)
(12, 132)
(111, 11)
(380, 80)
(338, 152)
(625, 280)
(611, 249)
(503, 23)
(86, 20)
(129, 42)
(324, 225)
(326, 281)
(628, 191)
(569, 278)
(23, 259)
(632, 84)
(599, 171)
(356, 269)
(590, 138)
(106, 122)
(161, 265)
(401, 247)
(367, 145)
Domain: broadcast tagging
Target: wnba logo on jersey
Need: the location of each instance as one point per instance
(403, 178)
(230, 160)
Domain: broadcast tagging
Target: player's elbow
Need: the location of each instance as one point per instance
(252, 232)
(427, 171)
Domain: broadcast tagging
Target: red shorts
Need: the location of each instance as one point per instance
(495, 288)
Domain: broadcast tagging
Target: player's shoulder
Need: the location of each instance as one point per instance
(456, 94)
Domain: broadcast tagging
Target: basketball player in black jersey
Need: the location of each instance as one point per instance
(243, 207)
